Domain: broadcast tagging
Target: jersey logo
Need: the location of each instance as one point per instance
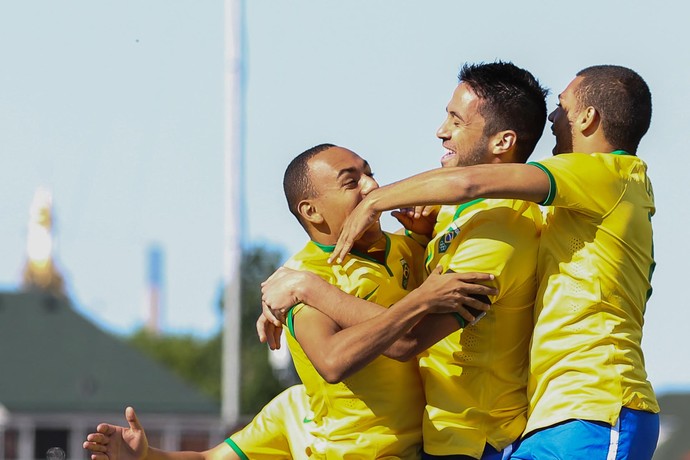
(447, 238)
(405, 273)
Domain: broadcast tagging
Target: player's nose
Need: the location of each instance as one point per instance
(368, 184)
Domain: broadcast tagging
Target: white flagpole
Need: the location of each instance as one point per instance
(233, 211)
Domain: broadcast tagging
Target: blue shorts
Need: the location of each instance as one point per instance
(633, 437)
(489, 454)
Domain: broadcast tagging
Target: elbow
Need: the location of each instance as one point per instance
(332, 370)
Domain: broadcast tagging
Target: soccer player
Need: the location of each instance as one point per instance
(475, 378)
(279, 431)
(362, 404)
(365, 405)
(588, 388)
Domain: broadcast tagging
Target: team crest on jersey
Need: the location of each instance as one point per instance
(405, 273)
(447, 238)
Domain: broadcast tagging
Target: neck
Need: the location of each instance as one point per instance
(363, 244)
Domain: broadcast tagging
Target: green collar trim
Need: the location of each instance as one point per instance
(324, 247)
(329, 248)
(464, 206)
(619, 152)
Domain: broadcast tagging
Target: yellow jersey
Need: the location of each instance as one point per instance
(595, 266)
(475, 380)
(279, 432)
(375, 413)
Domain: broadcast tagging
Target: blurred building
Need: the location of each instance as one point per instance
(61, 376)
(674, 436)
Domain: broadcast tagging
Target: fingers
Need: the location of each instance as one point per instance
(97, 438)
(261, 328)
(270, 316)
(342, 248)
(429, 210)
(132, 419)
(473, 277)
(106, 428)
(94, 446)
(402, 217)
(274, 337)
(481, 303)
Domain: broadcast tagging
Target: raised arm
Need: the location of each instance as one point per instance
(451, 185)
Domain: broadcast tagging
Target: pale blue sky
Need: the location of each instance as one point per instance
(117, 107)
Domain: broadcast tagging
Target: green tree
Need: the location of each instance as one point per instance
(199, 360)
(195, 360)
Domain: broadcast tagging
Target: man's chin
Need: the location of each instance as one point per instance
(371, 235)
(449, 161)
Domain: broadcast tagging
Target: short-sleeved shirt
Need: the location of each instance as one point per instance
(376, 412)
(595, 266)
(475, 379)
(280, 431)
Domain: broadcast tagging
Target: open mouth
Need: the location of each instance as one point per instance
(447, 156)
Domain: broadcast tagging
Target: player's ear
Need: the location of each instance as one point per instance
(503, 141)
(307, 209)
(587, 120)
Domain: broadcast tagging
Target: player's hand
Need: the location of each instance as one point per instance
(267, 330)
(359, 220)
(112, 442)
(418, 219)
(281, 291)
(454, 292)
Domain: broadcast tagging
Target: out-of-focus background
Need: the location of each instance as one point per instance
(112, 136)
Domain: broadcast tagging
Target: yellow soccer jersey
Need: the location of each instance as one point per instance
(376, 413)
(280, 431)
(475, 379)
(595, 265)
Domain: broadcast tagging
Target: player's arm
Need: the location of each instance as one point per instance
(288, 287)
(129, 443)
(338, 353)
(444, 186)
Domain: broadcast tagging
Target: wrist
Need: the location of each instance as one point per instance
(372, 201)
(304, 290)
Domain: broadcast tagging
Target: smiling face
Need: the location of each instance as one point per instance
(563, 116)
(462, 132)
(341, 179)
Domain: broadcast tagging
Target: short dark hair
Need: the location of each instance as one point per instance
(297, 183)
(623, 101)
(511, 98)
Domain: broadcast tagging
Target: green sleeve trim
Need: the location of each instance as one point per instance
(552, 184)
(458, 317)
(290, 320)
(236, 448)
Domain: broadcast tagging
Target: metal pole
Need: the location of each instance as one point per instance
(233, 208)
